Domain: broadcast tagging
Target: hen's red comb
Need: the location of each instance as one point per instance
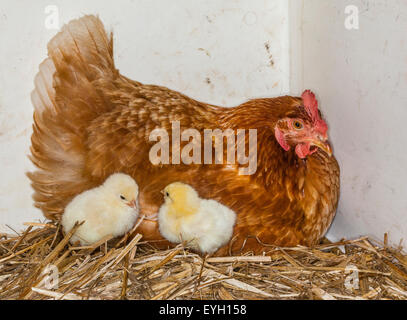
(311, 106)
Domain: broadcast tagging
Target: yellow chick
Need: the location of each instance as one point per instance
(205, 225)
(111, 208)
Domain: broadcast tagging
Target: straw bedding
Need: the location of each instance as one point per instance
(40, 263)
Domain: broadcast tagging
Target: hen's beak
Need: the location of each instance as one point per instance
(133, 204)
(323, 145)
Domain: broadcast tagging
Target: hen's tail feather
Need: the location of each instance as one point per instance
(66, 98)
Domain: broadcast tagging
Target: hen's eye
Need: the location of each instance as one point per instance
(298, 125)
(122, 197)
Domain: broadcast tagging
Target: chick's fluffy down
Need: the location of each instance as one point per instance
(103, 211)
(206, 230)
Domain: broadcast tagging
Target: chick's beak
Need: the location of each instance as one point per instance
(132, 204)
(322, 144)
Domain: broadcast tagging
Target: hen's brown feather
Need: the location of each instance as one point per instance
(90, 122)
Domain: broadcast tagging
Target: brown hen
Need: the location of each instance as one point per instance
(90, 122)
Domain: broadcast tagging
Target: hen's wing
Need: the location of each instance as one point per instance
(69, 94)
(66, 98)
(89, 121)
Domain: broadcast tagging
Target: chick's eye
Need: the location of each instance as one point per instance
(298, 125)
(122, 197)
(167, 194)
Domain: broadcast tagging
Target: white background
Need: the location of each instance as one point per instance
(360, 77)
